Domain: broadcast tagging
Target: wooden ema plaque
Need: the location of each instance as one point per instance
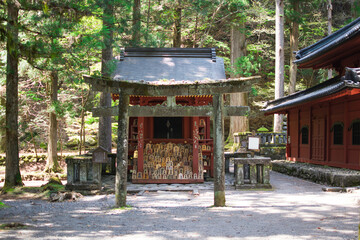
(168, 163)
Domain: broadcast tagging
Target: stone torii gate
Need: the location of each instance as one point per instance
(217, 111)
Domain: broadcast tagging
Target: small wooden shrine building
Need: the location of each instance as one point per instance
(166, 99)
(324, 120)
(169, 149)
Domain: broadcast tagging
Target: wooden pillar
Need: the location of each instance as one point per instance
(288, 143)
(327, 132)
(140, 144)
(345, 130)
(122, 152)
(219, 161)
(208, 128)
(195, 123)
(310, 134)
(151, 127)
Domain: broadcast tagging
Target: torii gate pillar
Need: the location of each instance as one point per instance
(219, 161)
(122, 151)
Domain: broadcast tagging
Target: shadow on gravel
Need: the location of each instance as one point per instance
(169, 215)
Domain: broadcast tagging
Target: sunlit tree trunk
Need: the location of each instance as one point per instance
(105, 98)
(294, 45)
(279, 60)
(177, 26)
(12, 172)
(136, 24)
(84, 100)
(52, 164)
(147, 22)
(329, 8)
(238, 49)
(195, 31)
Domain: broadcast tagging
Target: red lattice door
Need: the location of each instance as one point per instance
(318, 139)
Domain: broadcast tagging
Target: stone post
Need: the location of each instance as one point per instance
(266, 173)
(239, 177)
(122, 151)
(83, 172)
(219, 161)
(70, 172)
(253, 174)
(96, 172)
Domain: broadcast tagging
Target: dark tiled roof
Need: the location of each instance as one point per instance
(329, 42)
(331, 86)
(178, 64)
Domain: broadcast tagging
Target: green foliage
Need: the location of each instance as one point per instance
(91, 120)
(248, 65)
(3, 205)
(67, 37)
(43, 145)
(262, 129)
(52, 188)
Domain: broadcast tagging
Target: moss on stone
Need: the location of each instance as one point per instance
(219, 197)
(3, 205)
(15, 225)
(262, 129)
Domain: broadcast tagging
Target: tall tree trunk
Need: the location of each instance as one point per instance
(52, 164)
(238, 49)
(82, 126)
(177, 26)
(84, 100)
(34, 143)
(61, 141)
(294, 45)
(136, 23)
(147, 23)
(105, 98)
(355, 5)
(195, 30)
(329, 8)
(279, 60)
(12, 171)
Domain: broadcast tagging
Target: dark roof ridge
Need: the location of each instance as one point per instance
(169, 52)
(311, 89)
(352, 74)
(334, 39)
(350, 80)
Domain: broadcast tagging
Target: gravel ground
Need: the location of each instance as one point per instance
(295, 209)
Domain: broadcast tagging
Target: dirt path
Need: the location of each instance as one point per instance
(296, 209)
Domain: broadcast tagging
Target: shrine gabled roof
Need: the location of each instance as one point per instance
(343, 42)
(329, 87)
(169, 65)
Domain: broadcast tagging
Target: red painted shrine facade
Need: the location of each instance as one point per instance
(182, 146)
(324, 121)
(326, 131)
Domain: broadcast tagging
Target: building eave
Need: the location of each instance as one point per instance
(327, 88)
(318, 49)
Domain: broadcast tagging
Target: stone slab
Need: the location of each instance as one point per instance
(337, 177)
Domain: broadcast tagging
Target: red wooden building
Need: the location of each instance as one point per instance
(324, 121)
(170, 149)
